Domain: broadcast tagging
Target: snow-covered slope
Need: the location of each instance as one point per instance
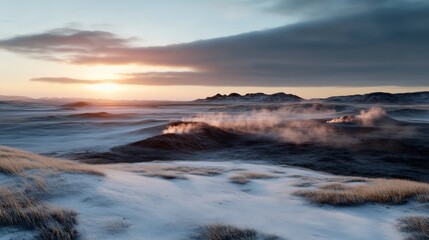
(127, 205)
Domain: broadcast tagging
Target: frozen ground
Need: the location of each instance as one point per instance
(125, 204)
(375, 140)
(173, 199)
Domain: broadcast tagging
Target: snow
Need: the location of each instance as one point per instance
(128, 205)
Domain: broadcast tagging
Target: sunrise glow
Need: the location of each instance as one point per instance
(214, 119)
(105, 87)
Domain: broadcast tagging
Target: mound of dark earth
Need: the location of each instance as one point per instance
(197, 136)
(77, 105)
(379, 152)
(98, 115)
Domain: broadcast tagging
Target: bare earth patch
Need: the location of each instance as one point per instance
(245, 177)
(416, 226)
(378, 190)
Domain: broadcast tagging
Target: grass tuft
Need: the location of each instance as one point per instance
(393, 191)
(21, 202)
(423, 198)
(166, 175)
(229, 232)
(15, 162)
(18, 208)
(335, 187)
(416, 226)
(171, 172)
(244, 178)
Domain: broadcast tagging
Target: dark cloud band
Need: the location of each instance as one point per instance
(385, 46)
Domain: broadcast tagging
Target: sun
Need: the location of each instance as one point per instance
(105, 87)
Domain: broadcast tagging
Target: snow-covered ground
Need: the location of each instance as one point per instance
(127, 205)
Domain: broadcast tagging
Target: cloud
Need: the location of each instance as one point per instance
(68, 80)
(310, 9)
(386, 46)
(64, 43)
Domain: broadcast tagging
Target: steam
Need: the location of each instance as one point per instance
(273, 124)
(370, 117)
(250, 122)
(291, 109)
(181, 129)
(366, 118)
(279, 125)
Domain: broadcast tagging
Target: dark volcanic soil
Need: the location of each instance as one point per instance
(374, 155)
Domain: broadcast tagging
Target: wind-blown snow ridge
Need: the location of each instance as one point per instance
(126, 204)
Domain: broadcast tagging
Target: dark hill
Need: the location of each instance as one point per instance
(382, 97)
(252, 97)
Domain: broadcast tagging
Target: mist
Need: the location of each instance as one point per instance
(283, 125)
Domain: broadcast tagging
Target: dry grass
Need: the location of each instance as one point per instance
(245, 177)
(228, 232)
(13, 161)
(19, 209)
(165, 175)
(304, 178)
(304, 181)
(171, 172)
(307, 181)
(422, 198)
(21, 202)
(335, 187)
(332, 179)
(354, 180)
(303, 184)
(392, 191)
(416, 226)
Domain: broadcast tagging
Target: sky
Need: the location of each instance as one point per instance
(187, 49)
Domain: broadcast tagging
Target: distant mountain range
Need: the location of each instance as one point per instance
(252, 97)
(377, 97)
(382, 97)
(14, 98)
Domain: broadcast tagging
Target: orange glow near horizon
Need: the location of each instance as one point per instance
(105, 87)
(139, 92)
(14, 81)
